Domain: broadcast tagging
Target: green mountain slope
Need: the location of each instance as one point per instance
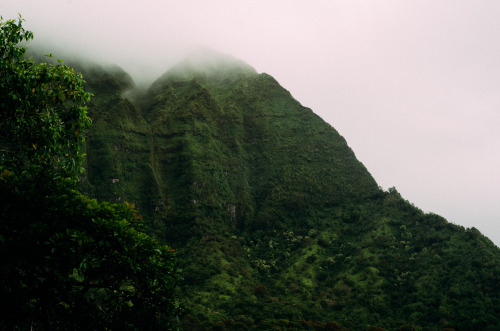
(273, 217)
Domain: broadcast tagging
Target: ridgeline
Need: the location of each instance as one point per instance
(274, 220)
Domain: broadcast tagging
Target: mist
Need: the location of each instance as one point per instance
(412, 85)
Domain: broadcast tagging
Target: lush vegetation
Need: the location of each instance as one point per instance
(275, 223)
(68, 262)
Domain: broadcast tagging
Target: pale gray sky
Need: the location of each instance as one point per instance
(413, 86)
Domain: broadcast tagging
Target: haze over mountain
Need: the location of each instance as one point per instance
(272, 217)
(274, 220)
(413, 85)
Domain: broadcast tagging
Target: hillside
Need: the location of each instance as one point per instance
(273, 218)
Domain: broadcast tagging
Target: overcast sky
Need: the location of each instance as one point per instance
(413, 86)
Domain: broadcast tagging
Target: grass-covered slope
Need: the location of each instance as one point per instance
(273, 217)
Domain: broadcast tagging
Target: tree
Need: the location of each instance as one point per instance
(72, 263)
(68, 262)
(42, 111)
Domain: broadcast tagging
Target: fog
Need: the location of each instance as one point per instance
(413, 86)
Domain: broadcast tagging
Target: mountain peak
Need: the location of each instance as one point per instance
(209, 64)
(261, 197)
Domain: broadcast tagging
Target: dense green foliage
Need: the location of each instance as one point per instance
(68, 262)
(72, 263)
(42, 111)
(275, 221)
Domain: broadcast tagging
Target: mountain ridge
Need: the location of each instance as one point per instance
(271, 214)
(209, 63)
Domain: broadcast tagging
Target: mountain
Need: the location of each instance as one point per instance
(274, 220)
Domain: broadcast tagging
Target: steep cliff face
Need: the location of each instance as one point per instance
(118, 148)
(215, 139)
(237, 147)
(270, 211)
